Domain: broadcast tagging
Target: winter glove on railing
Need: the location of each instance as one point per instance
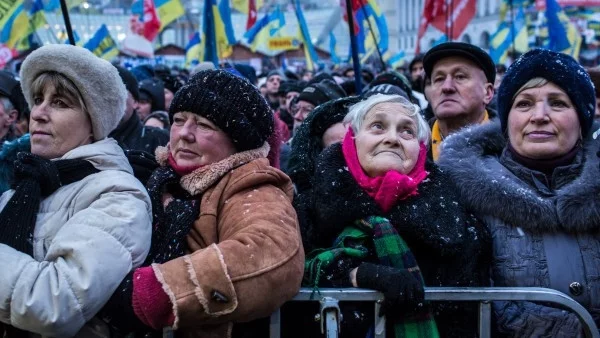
(402, 291)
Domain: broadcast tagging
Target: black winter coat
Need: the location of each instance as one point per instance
(133, 135)
(451, 246)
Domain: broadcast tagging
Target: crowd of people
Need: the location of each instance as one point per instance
(201, 200)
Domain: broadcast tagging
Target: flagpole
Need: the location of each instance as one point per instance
(374, 38)
(65, 13)
(354, 47)
(512, 27)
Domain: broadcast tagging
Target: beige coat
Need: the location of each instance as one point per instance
(247, 257)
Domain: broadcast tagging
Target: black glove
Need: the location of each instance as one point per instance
(169, 239)
(118, 311)
(402, 291)
(143, 164)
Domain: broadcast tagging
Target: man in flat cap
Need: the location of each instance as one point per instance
(12, 106)
(460, 77)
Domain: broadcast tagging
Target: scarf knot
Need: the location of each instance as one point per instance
(391, 187)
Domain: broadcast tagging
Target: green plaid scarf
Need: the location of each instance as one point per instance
(391, 250)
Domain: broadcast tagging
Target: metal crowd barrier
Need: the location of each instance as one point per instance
(329, 314)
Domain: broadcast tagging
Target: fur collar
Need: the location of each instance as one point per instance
(432, 220)
(199, 180)
(471, 158)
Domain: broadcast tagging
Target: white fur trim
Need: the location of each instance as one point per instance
(169, 292)
(98, 81)
(202, 178)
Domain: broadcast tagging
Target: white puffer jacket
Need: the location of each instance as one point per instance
(88, 236)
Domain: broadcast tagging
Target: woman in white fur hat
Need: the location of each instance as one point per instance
(76, 221)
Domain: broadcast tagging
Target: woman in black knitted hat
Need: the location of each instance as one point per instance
(226, 247)
(533, 179)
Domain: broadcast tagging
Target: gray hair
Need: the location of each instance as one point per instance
(8, 106)
(358, 112)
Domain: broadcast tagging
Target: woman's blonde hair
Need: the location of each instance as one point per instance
(536, 82)
(63, 86)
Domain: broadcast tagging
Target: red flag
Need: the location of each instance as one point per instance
(251, 14)
(151, 20)
(461, 12)
(356, 5)
(432, 10)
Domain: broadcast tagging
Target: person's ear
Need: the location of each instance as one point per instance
(489, 93)
(12, 116)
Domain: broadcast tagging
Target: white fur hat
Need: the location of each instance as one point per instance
(98, 81)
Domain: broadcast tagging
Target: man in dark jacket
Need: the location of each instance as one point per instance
(130, 133)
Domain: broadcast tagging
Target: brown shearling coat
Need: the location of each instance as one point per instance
(246, 255)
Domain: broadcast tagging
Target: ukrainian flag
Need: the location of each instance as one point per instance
(395, 61)
(54, 5)
(502, 39)
(168, 11)
(102, 44)
(193, 51)
(309, 50)
(242, 5)
(223, 29)
(264, 28)
(332, 43)
(15, 28)
(563, 35)
(373, 31)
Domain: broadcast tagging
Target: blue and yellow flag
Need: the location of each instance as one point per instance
(168, 11)
(563, 35)
(102, 44)
(265, 28)
(15, 28)
(373, 30)
(309, 50)
(507, 33)
(242, 5)
(396, 60)
(193, 51)
(332, 50)
(10, 10)
(54, 5)
(217, 37)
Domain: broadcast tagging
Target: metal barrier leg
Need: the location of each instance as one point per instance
(331, 323)
(275, 324)
(485, 319)
(331, 316)
(379, 321)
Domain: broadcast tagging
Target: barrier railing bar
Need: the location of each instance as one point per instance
(445, 294)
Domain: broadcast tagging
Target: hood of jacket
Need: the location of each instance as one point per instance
(471, 158)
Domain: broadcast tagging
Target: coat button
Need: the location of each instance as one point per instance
(576, 288)
(218, 297)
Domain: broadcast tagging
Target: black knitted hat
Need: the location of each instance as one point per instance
(393, 78)
(386, 89)
(131, 83)
(155, 90)
(319, 93)
(466, 50)
(560, 69)
(232, 103)
(291, 86)
(307, 143)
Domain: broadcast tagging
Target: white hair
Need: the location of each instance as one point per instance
(358, 112)
(7, 104)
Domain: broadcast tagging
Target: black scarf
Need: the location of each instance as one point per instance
(35, 178)
(171, 224)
